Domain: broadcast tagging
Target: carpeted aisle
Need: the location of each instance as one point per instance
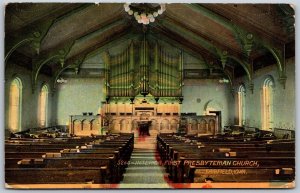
(144, 171)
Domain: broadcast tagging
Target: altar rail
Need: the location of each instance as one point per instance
(200, 124)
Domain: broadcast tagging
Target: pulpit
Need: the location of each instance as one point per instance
(144, 128)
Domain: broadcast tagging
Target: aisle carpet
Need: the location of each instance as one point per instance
(144, 170)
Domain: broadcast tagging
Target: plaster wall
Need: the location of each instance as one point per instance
(30, 99)
(200, 96)
(284, 108)
(76, 96)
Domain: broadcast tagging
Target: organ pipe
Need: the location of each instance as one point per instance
(156, 67)
(131, 58)
(160, 73)
(165, 74)
(124, 75)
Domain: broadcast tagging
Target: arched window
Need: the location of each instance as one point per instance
(43, 107)
(15, 105)
(241, 105)
(267, 103)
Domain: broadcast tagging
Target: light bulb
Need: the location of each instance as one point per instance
(155, 14)
(149, 15)
(126, 5)
(139, 21)
(127, 9)
(152, 19)
(159, 11)
(144, 18)
(130, 12)
(135, 14)
(138, 17)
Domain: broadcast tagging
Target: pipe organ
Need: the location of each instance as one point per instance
(143, 69)
(144, 76)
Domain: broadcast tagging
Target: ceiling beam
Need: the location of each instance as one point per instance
(61, 54)
(202, 41)
(283, 16)
(115, 38)
(70, 65)
(188, 46)
(276, 48)
(33, 34)
(98, 33)
(238, 32)
(76, 61)
(101, 26)
(206, 47)
(57, 56)
(209, 41)
(60, 10)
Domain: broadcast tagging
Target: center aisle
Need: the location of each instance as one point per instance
(143, 169)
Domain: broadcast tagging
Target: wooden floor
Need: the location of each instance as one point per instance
(145, 172)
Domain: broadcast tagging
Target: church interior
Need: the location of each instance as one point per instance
(149, 95)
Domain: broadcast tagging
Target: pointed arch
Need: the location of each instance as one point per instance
(15, 105)
(43, 106)
(241, 104)
(267, 102)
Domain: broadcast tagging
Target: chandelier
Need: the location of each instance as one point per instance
(144, 13)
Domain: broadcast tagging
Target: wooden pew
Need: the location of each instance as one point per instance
(175, 151)
(254, 169)
(172, 165)
(55, 175)
(240, 174)
(104, 154)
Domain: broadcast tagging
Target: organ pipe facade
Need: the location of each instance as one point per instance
(143, 69)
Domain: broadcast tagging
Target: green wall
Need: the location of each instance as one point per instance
(211, 93)
(29, 114)
(85, 95)
(76, 96)
(283, 99)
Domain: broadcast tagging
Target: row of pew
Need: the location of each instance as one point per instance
(76, 160)
(191, 159)
(46, 132)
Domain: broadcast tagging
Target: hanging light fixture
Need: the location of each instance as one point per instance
(61, 80)
(224, 80)
(144, 13)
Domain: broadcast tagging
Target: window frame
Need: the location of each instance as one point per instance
(18, 82)
(267, 103)
(43, 120)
